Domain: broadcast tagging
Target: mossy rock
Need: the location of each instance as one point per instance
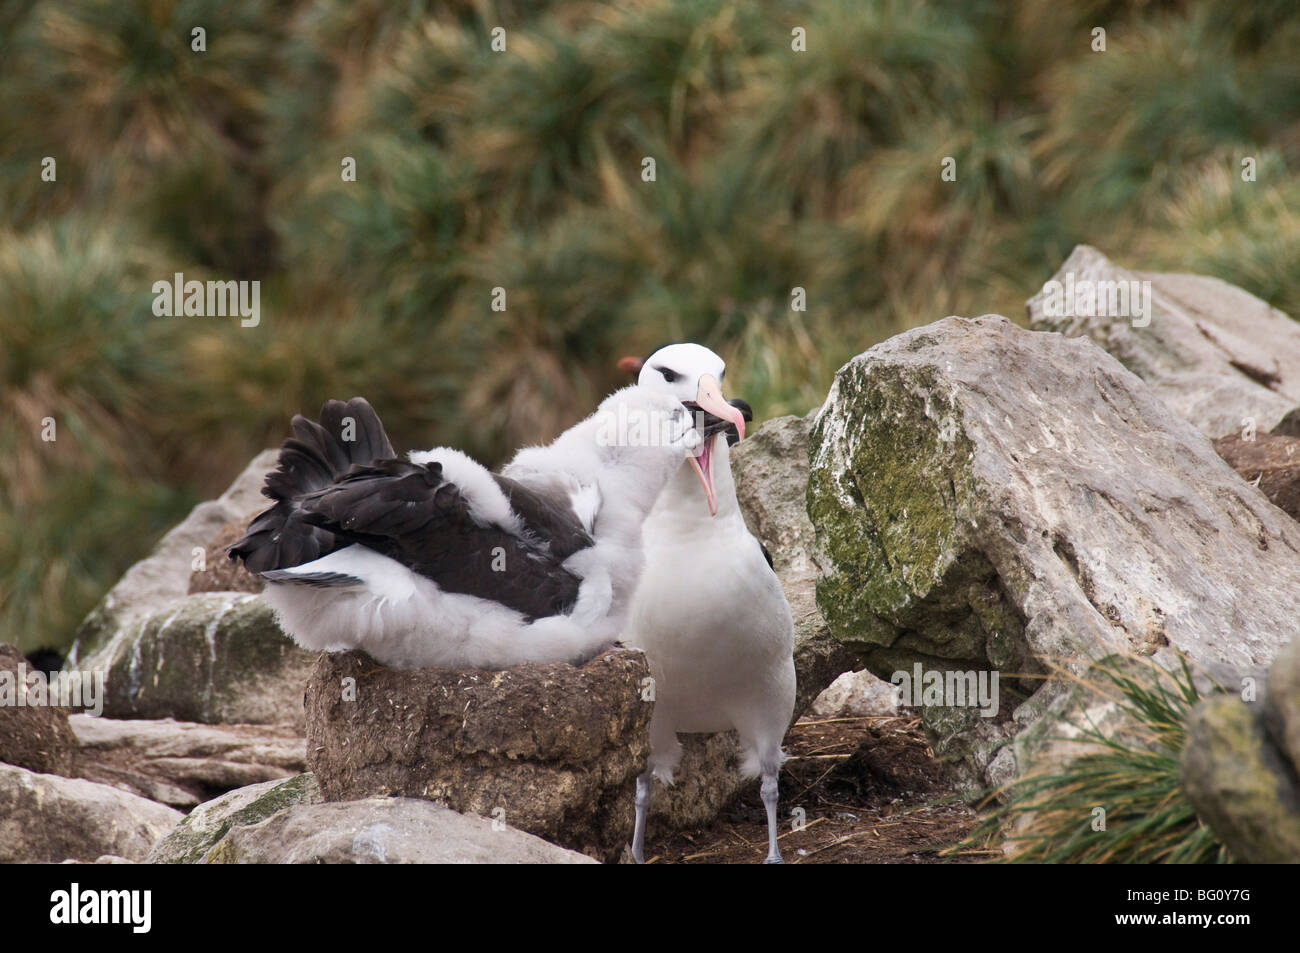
(216, 657)
(1240, 784)
(991, 499)
(208, 823)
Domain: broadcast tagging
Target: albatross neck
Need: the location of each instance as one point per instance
(683, 498)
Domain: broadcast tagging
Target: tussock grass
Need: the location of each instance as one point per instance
(1132, 773)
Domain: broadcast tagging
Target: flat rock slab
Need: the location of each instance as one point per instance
(383, 831)
(45, 818)
(1216, 355)
(183, 763)
(994, 499)
(549, 749)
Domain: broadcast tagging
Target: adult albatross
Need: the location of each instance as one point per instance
(434, 560)
(709, 611)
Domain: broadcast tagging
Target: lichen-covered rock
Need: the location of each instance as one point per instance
(1216, 355)
(1269, 462)
(1239, 783)
(382, 830)
(1281, 708)
(32, 736)
(183, 763)
(188, 841)
(988, 498)
(552, 749)
(214, 657)
(45, 818)
(771, 473)
(164, 575)
(1241, 763)
(216, 571)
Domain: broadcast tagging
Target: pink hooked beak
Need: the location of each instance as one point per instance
(709, 398)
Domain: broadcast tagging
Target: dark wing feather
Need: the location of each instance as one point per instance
(321, 580)
(548, 516)
(410, 513)
(313, 458)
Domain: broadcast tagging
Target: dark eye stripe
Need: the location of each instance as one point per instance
(669, 374)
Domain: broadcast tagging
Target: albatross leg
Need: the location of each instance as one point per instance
(643, 783)
(769, 792)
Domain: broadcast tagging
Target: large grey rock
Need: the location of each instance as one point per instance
(1213, 353)
(213, 657)
(383, 830)
(555, 749)
(991, 498)
(202, 828)
(32, 736)
(182, 763)
(1240, 784)
(45, 818)
(771, 472)
(164, 575)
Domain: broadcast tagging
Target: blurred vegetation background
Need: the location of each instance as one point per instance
(521, 169)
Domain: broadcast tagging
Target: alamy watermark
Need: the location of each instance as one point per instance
(952, 689)
(1104, 299)
(35, 689)
(633, 427)
(133, 908)
(214, 299)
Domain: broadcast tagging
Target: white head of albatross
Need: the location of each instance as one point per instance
(693, 374)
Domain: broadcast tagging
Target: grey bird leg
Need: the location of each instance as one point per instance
(643, 782)
(768, 790)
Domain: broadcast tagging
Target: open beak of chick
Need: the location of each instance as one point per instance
(715, 416)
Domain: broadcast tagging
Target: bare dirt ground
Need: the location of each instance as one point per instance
(872, 793)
